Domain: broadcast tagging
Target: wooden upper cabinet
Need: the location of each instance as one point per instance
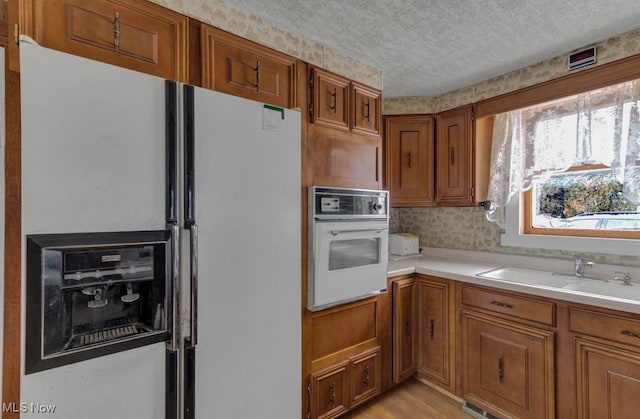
(330, 99)
(410, 158)
(133, 34)
(243, 68)
(454, 174)
(366, 108)
(463, 154)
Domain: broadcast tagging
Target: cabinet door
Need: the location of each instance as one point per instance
(434, 358)
(330, 96)
(410, 156)
(454, 174)
(608, 381)
(404, 329)
(330, 392)
(365, 376)
(127, 33)
(508, 369)
(366, 110)
(239, 67)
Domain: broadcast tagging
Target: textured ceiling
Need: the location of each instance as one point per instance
(432, 47)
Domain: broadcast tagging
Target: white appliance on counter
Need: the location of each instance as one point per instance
(403, 244)
(348, 240)
(105, 149)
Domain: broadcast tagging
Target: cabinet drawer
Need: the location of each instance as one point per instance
(521, 307)
(130, 34)
(607, 326)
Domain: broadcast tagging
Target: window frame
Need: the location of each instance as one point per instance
(526, 214)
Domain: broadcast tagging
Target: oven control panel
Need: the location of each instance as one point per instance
(342, 203)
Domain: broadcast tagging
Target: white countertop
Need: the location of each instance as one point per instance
(464, 265)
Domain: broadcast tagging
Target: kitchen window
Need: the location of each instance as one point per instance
(572, 164)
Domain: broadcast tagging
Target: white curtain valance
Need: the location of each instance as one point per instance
(597, 127)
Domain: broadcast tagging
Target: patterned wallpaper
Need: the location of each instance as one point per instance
(468, 229)
(254, 28)
(607, 51)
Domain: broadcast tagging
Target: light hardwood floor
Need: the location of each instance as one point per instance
(410, 400)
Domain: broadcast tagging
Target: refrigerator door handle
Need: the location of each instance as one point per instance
(175, 287)
(194, 284)
(171, 152)
(189, 156)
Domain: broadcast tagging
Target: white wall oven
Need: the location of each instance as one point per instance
(348, 240)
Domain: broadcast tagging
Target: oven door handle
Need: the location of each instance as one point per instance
(338, 232)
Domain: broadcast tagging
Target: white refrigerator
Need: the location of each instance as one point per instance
(97, 157)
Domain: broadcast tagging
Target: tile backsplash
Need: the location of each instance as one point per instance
(469, 229)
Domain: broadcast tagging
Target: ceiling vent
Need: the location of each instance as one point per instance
(582, 58)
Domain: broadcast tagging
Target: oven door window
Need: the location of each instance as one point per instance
(351, 253)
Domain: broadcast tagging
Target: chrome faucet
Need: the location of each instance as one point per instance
(579, 265)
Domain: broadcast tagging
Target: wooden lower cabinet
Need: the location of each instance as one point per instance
(608, 381)
(330, 391)
(365, 376)
(345, 385)
(435, 355)
(404, 329)
(507, 368)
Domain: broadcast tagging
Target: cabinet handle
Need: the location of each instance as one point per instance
(452, 155)
(409, 159)
(332, 398)
(407, 330)
(631, 334)
(365, 376)
(500, 304)
(368, 114)
(335, 100)
(116, 32)
(501, 370)
(431, 329)
(257, 70)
